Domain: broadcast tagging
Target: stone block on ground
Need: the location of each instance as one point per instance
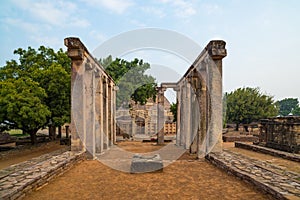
(143, 164)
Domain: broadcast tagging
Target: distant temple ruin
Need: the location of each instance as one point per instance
(282, 133)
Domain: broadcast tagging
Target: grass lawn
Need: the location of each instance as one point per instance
(17, 133)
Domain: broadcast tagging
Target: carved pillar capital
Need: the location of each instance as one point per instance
(75, 48)
(216, 49)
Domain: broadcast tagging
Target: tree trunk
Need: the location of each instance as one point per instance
(59, 132)
(246, 128)
(33, 137)
(52, 132)
(237, 127)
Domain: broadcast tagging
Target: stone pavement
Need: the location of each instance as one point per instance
(19, 179)
(275, 180)
(266, 150)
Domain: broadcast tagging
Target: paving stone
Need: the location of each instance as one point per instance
(266, 176)
(24, 177)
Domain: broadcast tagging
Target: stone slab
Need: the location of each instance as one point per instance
(144, 164)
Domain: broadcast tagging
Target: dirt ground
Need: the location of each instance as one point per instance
(184, 179)
(11, 157)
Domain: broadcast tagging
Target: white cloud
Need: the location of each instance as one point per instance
(116, 6)
(211, 8)
(53, 42)
(28, 27)
(54, 13)
(154, 11)
(137, 23)
(96, 35)
(182, 8)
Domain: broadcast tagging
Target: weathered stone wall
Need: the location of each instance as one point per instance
(281, 133)
(93, 126)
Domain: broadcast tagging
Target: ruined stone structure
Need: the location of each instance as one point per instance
(282, 133)
(142, 119)
(199, 98)
(93, 101)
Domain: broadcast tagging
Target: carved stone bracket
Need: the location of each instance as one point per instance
(216, 49)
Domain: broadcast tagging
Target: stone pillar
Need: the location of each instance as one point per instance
(94, 122)
(202, 132)
(160, 115)
(187, 115)
(178, 101)
(101, 115)
(105, 114)
(76, 54)
(146, 127)
(111, 116)
(216, 50)
(115, 89)
(182, 111)
(98, 105)
(89, 108)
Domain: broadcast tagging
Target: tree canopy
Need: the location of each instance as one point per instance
(35, 89)
(246, 105)
(287, 106)
(173, 109)
(131, 79)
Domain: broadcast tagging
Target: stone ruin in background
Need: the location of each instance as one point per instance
(282, 133)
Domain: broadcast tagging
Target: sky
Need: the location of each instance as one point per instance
(262, 36)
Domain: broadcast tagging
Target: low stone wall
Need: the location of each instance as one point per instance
(271, 179)
(17, 183)
(241, 138)
(273, 152)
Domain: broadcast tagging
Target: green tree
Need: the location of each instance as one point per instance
(21, 105)
(173, 109)
(287, 106)
(246, 105)
(131, 79)
(51, 71)
(296, 111)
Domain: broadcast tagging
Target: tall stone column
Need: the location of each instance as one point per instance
(105, 113)
(76, 53)
(89, 112)
(93, 113)
(178, 101)
(216, 50)
(98, 104)
(182, 117)
(111, 116)
(187, 115)
(115, 89)
(160, 115)
(202, 132)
